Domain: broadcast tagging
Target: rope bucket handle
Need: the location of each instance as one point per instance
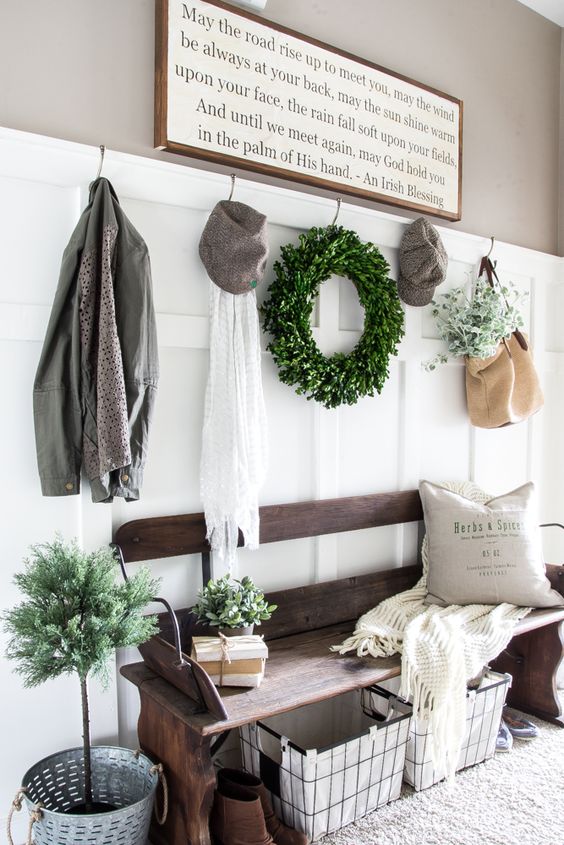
(35, 816)
(158, 769)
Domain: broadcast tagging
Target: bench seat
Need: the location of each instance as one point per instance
(300, 670)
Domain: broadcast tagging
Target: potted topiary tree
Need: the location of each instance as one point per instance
(233, 607)
(73, 617)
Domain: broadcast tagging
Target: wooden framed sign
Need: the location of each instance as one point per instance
(239, 90)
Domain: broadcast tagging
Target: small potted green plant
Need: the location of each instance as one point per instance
(474, 327)
(233, 607)
(72, 618)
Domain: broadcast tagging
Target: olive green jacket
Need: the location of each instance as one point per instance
(96, 381)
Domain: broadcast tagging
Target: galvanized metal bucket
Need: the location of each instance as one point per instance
(127, 779)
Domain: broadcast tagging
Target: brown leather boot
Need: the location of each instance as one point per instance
(237, 817)
(281, 834)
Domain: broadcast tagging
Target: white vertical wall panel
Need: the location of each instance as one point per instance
(280, 565)
(442, 427)
(361, 552)
(171, 483)
(351, 312)
(369, 440)
(501, 459)
(171, 234)
(332, 338)
(417, 427)
(36, 219)
(554, 320)
(291, 444)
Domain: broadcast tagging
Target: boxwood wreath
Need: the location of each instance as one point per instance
(338, 379)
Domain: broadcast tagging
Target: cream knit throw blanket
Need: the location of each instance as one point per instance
(441, 647)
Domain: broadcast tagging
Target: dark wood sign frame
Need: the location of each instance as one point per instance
(161, 124)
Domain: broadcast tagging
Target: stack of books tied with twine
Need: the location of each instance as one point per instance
(231, 661)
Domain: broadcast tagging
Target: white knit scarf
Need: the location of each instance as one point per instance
(234, 440)
(441, 647)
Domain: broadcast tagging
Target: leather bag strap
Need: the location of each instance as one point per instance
(488, 268)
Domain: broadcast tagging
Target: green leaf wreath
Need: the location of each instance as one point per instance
(338, 379)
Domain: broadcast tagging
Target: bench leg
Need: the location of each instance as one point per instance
(533, 660)
(185, 755)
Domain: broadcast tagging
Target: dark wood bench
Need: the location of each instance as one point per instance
(184, 717)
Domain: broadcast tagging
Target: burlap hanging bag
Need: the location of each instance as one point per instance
(503, 389)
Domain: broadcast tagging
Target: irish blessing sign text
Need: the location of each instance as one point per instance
(235, 89)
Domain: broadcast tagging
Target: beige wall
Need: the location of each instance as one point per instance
(83, 70)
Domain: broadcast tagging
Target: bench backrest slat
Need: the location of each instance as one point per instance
(309, 608)
(331, 602)
(168, 536)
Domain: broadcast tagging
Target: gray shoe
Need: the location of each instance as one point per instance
(504, 741)
(519, 727)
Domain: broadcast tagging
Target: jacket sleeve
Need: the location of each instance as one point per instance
(56, 397)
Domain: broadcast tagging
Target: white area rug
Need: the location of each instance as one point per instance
(516, 798)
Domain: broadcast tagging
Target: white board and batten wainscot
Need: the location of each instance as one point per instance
(417, 428)
(233, 88)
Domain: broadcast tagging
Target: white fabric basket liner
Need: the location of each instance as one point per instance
(483, 714)
(328, 764)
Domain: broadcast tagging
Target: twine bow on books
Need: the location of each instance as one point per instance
(226, 645)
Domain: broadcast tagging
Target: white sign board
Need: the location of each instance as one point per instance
(233, 88)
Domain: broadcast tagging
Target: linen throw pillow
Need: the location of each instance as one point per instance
(485, 553)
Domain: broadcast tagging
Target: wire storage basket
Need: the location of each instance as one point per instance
(328, 764)
(484, 707)
(123, 778)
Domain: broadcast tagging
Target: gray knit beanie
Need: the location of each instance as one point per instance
(423, 263)
(234, 246)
